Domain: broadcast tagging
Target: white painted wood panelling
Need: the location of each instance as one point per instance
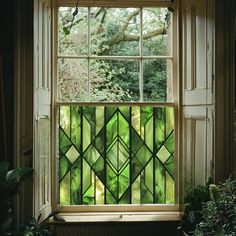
(198, 143)
(42, 102)
(197, 53)
(197, 93)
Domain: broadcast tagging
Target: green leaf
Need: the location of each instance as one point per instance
(19, 174)
(66, 30)
(28, 233)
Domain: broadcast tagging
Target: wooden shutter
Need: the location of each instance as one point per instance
(42, 100)
(197, 90)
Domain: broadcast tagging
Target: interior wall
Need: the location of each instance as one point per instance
(7, 80)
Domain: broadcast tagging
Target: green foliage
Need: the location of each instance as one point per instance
(34, 227)
(10, 181)
(113, 32)
(195, 198)
(219, 214)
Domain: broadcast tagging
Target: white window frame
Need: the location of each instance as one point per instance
(154, 211)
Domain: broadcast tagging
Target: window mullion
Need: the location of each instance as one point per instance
(89, 46)
(141, 58)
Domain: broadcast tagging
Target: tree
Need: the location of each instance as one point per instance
(112, 32)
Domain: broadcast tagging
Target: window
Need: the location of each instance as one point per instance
(199, 149)
(114, 104)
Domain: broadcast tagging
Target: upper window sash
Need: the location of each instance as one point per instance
(139, 60)
(118, 3)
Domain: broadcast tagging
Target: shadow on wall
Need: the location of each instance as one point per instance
(7, 80)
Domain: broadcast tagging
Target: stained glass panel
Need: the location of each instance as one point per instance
(116, 155)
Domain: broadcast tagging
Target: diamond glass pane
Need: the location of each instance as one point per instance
(116, 155)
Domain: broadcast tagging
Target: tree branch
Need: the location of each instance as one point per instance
(127, 20)
(130, 37)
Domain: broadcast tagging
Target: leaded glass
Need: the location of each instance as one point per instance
(116, 155)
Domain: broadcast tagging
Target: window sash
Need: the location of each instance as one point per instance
(115, 208)
(118, 3)
(140, 58)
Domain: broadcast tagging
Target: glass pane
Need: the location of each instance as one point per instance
(72, 35)
(114, 80)
(115, 31)
(72, 80)
(115, 164)
(156, 32)
(157, 80)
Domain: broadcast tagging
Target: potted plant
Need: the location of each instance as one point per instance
(219, 214)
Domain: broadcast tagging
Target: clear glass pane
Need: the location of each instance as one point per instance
(114, 80)
(72, 33)
(157, 80)
(119, 165)
(72, 80)
(156, 32)
(115, 31)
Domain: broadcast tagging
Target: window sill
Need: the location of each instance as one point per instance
(117, 217)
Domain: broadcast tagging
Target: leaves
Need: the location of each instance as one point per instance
(66, 30)
(10, 181)
(219, 214)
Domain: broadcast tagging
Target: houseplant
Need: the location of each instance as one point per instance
(193, 202)
(10, 181)
(219, 214)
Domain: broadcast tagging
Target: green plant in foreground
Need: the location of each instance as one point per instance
(10, 181)
(219, 214)
(193, 201)
(34, 227)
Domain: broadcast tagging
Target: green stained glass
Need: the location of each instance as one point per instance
(124, 181)
(112, 181)
(76, 183)
(86, 135)
(160, 193)
(65, 142)
(65, 190)
(125, 199)
(163, 154)
(65, 119)
(170, 165)
(146, 196)
(91, 155)
(125, 111)
(148, 133)
(136, 141)
(75, 126)
(72, 154)
(99, 140)
(148, 172)
(64, 166)
(170, 189)
(123, 129)
(136, 119)
(169, 143)
(135, 191)
(99, 119)
(116, 155)
(87, 181)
